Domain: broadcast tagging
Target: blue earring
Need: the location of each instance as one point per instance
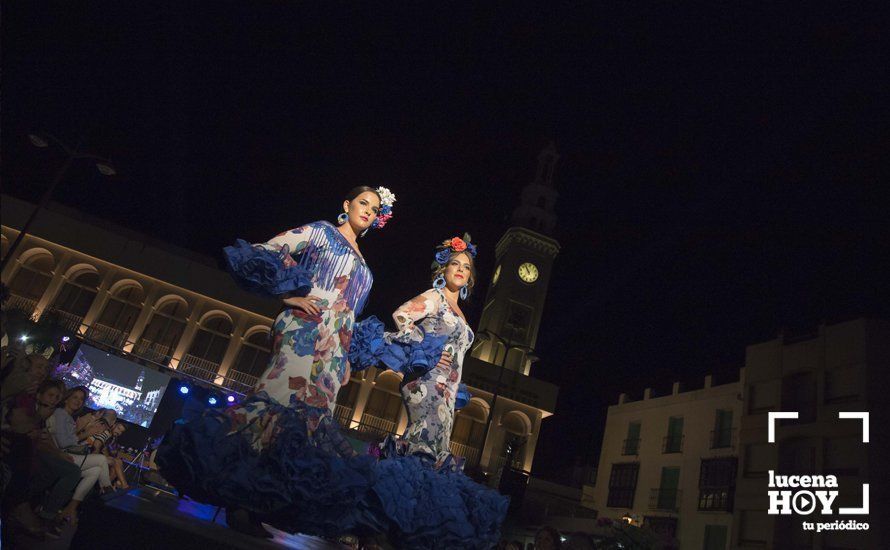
(464, 292)
(342, 218)
(439, 283)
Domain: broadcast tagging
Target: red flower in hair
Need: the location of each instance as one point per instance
(458, 244)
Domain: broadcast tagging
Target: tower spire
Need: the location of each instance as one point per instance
(535, 210)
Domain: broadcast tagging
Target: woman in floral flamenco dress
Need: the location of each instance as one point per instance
(420, 490)
(279, 456)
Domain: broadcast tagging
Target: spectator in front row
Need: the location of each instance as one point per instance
(93, 467)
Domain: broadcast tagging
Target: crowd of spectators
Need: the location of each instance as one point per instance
(53, 453)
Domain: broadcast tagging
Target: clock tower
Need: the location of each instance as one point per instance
(511, 316)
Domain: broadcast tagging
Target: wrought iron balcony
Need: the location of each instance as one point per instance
(26, 305)
(665, 499)
(343, 415)
(199, 367)
(109, 336)
(152, 351)
(672, 444)
(723, 439)
(631, 447)
(376, 426)
(470, 453)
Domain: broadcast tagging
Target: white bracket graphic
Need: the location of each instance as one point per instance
(773, 416)
(861, 416)
(858, 511)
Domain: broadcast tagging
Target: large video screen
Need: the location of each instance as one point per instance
(129, 388)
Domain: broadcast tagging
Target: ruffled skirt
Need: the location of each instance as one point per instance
(305, 481)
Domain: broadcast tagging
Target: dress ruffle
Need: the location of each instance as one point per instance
(369, 347)
(303, 482)
(430, 508)
(261, 270)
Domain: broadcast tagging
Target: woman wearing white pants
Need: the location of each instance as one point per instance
(93, 468)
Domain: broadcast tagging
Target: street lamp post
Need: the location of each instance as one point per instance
(102, 164)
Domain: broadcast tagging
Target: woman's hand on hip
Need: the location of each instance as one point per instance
(307, 304)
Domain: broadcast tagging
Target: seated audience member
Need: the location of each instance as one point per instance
(93, 467)
(40, 472)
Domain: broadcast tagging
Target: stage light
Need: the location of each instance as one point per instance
(230, 399)
(211, 400)
(183, 389)
(23, 337)
(66, 338)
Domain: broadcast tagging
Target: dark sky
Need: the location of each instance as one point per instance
(720, 174)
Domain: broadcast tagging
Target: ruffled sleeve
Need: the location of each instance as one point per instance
(370, 347)
(268, 268)
(463, 396)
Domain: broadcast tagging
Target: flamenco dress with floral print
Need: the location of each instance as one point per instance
(280, 454)
(420, 489)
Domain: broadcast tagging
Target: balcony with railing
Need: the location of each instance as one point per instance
(21, 303)
(376, 426)
(153, 351)
(198, 367)
(468, 452)
(240, 381)
(672, 444)
(631, 447)
(723, 439)
(343, 415)
(665, 499)
(103, 334)
(67, 320)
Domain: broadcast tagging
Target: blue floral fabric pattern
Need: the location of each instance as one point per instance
(430, 398)
(280, 453)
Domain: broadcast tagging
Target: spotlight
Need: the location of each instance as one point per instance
(211, 400)
(23, 337)
(66, 338)
(183, 389)
(230, 399)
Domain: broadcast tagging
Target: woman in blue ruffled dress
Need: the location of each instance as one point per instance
(420, 490)
(278, 456)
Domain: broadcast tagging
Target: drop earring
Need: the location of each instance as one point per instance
(464, 292)
(342, 218)
(439, 282)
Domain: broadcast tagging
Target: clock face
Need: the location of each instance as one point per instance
(497, 275)
(528, 272)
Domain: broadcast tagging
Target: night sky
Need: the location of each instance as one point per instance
(720, 175)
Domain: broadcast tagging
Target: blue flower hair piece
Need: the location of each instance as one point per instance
(453, 246)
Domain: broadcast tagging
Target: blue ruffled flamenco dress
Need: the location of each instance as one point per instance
(287, 463)
(423, 506)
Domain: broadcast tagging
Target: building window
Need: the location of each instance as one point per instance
(623, 485)
(253, 358)
(673, 443)
(632, 443)
(842, 456)
(763, 396)
(33, 277)
(665, 526)
(667, 495)
(715, 537)
(722, 436)
(841, 386)
(799, 394)
(163, 331)
(753, 527)
(76, 297)
(716, 484)
(797, 455)
(759, 458)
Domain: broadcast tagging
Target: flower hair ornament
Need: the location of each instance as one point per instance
(444, 252)
(387, 199)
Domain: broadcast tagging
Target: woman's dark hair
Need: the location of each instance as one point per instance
(471, 281)
(69, 393)
(356, 191)
(51, 383)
